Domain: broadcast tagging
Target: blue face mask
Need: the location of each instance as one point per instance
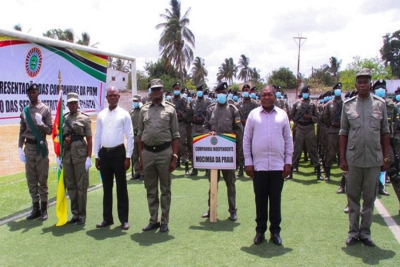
(184, 96)
(278, 94)
(221, 98)
(168, 98)
(321, 101)
(347, 98)
(230, 95)
(135, 104)
(149, 90)
(245, 94)
(253, 95)
(177, 92)
(398, 98)
(235, 98)
(337, 92)
(380, 92)
(199, 94)
(305, 95)
(190, 99)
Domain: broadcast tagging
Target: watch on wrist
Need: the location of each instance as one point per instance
(175, 155)
(387, 160)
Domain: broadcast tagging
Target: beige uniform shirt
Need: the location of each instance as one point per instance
(158, 124)
(364, 120)
(223, 119)
(77, 150)
(46, 128)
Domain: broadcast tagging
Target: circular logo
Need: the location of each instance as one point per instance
(214, 141)
(33, 62)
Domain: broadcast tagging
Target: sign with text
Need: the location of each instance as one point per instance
(23, 63)
(214, 151)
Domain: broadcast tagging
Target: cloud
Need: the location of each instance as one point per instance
(373, 6)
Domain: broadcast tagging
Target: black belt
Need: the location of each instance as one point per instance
(157, 148)
(135, 133)
(76, 138)
(30, 141)
(198, 123)
(305, 123)
(109, 149)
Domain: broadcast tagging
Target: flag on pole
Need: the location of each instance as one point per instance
(61, 199)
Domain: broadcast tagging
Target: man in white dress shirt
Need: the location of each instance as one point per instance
(268, 151)
(112, 158)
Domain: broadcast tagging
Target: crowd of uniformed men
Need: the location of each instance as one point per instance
(316, 125)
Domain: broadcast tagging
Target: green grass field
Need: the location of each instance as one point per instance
(314, 229)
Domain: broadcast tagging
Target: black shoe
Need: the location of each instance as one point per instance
(276, 239)
(125, 226)
(35, 213)
(136, 176)
(206, 214)
(382, 191)
(240, 172)
(151, 226)
(233, 216)
(104, 224)
(368, 242)
(340, 190)
(73, 220)
(207, 173)
(81, 221)
(194, 172)
(164, 228)
(351, 241)
(259, 238)
(141, 177)
(346, 210)
(43, 211)
(295, 169)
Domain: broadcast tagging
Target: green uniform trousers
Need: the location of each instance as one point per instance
(77, 181)
(155, 171)
(361, 182)
(183, 151)
(333, 148)
(135, 154)
(37, 173)
(305, 134)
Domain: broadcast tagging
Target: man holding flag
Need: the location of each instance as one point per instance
(35, 125)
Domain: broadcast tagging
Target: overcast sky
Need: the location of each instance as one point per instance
(262, 30)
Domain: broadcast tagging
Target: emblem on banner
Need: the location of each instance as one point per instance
(33, 62)
(214, 141)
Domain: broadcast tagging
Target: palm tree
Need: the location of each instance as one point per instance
(85, 39)
(66, 35)
(18, 27)
(255, 75)
(245, 70)
(227, 71)
(199, 72)
(176, 40)
(334, 67)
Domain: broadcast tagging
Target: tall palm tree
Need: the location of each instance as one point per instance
(255, 75)
(245, 70)
(199, 72)
(334, 67)
(63, 35)
(177, 39)
(227, 71)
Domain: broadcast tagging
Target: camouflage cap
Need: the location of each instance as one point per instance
(72, 97)
(136, 98)
(156, 83)
(33, 86)
(364, 72)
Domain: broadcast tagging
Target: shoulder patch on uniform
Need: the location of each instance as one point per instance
(378, 98)
(149, 103)
(169, 103)
(85, 114)
(351, 99)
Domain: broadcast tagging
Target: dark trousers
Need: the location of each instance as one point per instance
(268, 187)
(112, 163)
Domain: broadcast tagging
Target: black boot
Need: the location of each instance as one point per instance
(187, 168)
(382, 190)
(136, 175)
(240, 172)
(327, 173)
(35, 213)
(178, 162)
(43, 209)
(318, 171)
(194, 172)
(342, 187)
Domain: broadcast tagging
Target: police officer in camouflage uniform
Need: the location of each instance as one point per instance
(331, 117)
(379, 89)
(76, 158)
(134, 112)
(35, 152)
(223, 117)
(279, 102)
(245, 105)
(198, 108)
(364, 148)
(304, 113)
(158, 147)
(181, 107)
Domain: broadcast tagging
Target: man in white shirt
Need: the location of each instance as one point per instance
(268, 151)
(111, 157)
